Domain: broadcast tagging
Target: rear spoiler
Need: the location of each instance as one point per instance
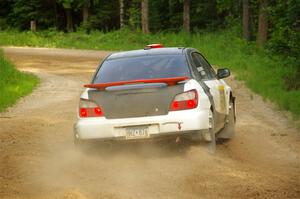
(169, 81)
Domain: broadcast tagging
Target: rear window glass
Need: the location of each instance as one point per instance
(144, 67)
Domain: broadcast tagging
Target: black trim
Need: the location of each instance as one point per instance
(99, 66)
(188, 53)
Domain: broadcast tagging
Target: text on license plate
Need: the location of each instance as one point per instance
(136, 132)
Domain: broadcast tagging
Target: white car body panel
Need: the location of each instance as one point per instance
(221, 93)
(174, 122)
(102, 128)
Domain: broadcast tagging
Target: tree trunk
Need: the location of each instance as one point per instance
(186, 16)
(33, 26)
(69, 20)
(262, 32)
(121, 13)
(85, 14)
(246, 20)
(145, 18)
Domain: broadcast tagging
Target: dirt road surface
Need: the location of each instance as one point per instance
(38, 159)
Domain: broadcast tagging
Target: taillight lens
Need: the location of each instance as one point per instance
(89, 109)
(184, 101)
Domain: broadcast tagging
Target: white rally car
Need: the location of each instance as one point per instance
(156, 92)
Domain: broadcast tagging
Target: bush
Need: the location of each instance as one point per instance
(13, 83)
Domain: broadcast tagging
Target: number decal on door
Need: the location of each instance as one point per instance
(222, 98)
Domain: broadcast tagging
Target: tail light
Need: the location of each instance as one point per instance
(184, 101)
(88, 108)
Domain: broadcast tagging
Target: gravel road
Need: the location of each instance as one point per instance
(38, 159)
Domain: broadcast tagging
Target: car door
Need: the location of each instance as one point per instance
(217, 87)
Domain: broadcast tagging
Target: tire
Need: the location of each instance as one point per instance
(210, 137)
(228, 131)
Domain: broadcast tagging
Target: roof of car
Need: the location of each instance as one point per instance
(147, 52)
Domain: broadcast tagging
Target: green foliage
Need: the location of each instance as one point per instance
(13, 84)
(106, 16)
(175, 15)
(157, 20)
(209, 17)
(135, 14)
(3, 24)
(21, 12)
(285, 36)
(4, 12)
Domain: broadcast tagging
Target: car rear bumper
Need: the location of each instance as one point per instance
(175, 123)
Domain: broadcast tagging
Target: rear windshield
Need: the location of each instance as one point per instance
(144, 67)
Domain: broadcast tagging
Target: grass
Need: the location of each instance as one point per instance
(13, 83)
(262, 73)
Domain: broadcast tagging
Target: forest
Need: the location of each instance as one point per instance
(266, 21)
(245, 35)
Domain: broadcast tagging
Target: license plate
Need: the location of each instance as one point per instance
(136, 132)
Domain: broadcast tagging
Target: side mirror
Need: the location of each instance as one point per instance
(222, 73)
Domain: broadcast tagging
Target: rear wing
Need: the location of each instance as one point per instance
(169, 81)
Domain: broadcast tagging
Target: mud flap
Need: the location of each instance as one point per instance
(229, 130)
(211, 145)
(209, 136)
